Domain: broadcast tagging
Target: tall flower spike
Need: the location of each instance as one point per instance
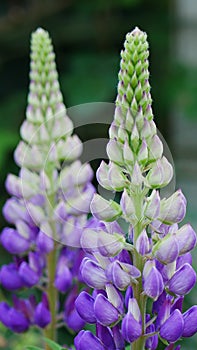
(152, 260)
(47, 206)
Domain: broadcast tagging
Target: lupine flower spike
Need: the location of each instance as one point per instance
(47, 206)
(152, 260)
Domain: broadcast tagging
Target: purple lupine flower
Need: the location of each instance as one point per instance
(132, 322)
(49, 204)
(183, 280)
(152, 280)
(151, 259)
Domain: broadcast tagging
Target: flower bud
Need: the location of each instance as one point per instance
(115, 297)
(105, 210)
(173, 209)
(151, 342)
(117, 180)
(166, 250)
(29, 276)
(143, 153)
(37, 213)
(110, 244)
(142, 243)
(132, 322)
(42, 315)
(63, 278)
(155, 148)
(102, 176)
(128, 154)
(44, 242)
(152, 280)
(153, 205)
(114, 152)
(186, 238)
(136, 177)
(127, 205)
(160, 174)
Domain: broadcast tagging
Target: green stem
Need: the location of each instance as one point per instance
(51, 262)
(52, 294)
(138, 261)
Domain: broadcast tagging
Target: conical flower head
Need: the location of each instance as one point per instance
(47, 129)
(133, 87)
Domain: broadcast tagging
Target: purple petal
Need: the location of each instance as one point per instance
(183, 280)
(86, 340)
(28, 275)
(44, 242)
(10, 278)
(105, 335)
(186, 237)
(92, 274)
(13, 242)
(131, 329)
(190, 322)
(85, 307)
(42, 315)
(18, 322)
(63, 280)
(152, 282)
(172, 328)
(105, 312)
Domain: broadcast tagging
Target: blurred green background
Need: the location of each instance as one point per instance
(88, 36)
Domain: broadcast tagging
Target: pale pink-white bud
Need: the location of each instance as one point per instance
(160, 174)
(142, 243)
(127, 205)
(117, 179)
(173, 209)
(114, 152)
(186, 238)
(105, 210)
(155, 148)
(102, 176)
(166, 250)
(152, 207)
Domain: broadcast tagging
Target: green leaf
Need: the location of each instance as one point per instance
(52, 344)
(33, 348)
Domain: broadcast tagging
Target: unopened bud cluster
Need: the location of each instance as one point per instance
(152, 261)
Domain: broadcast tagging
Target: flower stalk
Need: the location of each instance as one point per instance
(152, 261)
(46, 207)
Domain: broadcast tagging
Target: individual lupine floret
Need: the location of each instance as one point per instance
(50, 201)
(154, 245)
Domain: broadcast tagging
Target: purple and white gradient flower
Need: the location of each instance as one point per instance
(150, 260)
(48, 207)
